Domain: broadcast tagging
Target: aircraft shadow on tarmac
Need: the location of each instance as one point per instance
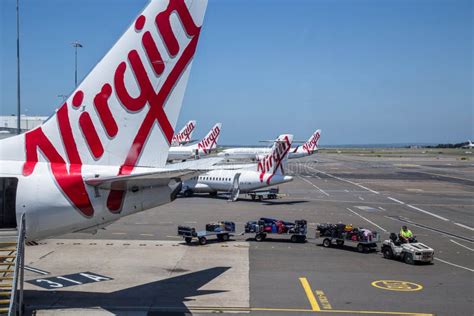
(264, 202)
(159, 298)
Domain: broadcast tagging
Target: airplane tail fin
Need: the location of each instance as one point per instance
(125, 111)
(185, 134)
(312, 144)
(275, 163)
(209, 142)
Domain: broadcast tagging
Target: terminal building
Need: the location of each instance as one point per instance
(8, 124)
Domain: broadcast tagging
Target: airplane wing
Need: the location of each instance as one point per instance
(179, 172)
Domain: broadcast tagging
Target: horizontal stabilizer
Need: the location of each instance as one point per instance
(179, 171)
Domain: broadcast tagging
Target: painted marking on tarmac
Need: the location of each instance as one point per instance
(288, 310)
(35, 270)
(446, 176)
(395, 200)
(361, 198)
(368, 220)
(459, 244)
(428, 213)
(419, 209)
(314, 185)
(310, 295)
(454, 265)
(147, 235)
(345, 180)
(382, 208)
(394, 285)
(119, 233)
(323, 299)
(464, 226)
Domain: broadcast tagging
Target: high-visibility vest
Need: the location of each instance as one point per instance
(406, 234)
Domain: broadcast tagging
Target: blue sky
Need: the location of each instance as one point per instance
(364, 71)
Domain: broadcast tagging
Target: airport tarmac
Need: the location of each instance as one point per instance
(138, 266)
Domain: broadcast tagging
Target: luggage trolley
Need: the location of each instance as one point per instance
(222, 230)
(362, 239)
(267, 226)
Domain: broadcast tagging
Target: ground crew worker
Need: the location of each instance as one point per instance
(405, 234)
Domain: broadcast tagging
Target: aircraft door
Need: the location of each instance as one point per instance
(8, 187)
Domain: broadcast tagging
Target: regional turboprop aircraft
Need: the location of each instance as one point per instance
(102, 155)
(269, 171)
(308, 148)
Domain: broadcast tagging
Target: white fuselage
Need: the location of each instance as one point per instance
(222, 180)
(184, 152)
(49, 213)
(253, 153)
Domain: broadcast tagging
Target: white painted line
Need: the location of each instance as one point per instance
(395, 200)
(345, 180)
(147, 235)
(368, 220)
(36, 270)
(361, 198)
(464, 226)
(429, 213)
(454, 265)
(382, 208)
(459, 244)
(119, 233)
(346, 191)
(320, 190)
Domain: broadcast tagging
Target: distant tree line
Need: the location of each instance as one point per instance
(458, 145)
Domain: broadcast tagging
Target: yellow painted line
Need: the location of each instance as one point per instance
(309, 293)
(301, 310)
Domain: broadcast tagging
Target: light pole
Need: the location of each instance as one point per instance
(76, 44)
(18, 107)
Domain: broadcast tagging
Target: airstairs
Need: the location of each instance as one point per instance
(12, 254)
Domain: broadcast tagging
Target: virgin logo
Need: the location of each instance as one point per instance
(310, 146)
(68, 172)
(210, 141)
(272, 162)
(184, 136)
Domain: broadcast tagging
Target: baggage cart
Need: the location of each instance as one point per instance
(331, 234)
(267, 226)
(221, 230)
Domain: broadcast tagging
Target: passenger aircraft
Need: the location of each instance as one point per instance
(184, 135)
(269, 171)
(308, 148)
(102, 155)
(203, 148)
(469, 145)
